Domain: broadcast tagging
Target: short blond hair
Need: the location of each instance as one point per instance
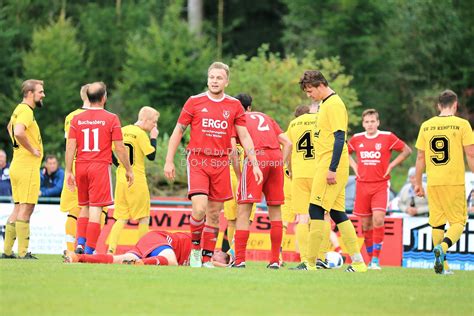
(147, 112)
(84, 92)
(219, 65)
(30, 85)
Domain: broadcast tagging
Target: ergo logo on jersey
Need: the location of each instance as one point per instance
(370, 154)
(208, 122)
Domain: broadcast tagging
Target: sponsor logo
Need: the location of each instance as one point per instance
(208, 122)
(370, 154)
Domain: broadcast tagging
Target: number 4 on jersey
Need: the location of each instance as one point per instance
(304, 145)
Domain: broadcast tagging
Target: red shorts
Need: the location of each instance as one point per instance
(94, 184)
(371, 196)
(209, 175)
(149, 242)
(271, 165)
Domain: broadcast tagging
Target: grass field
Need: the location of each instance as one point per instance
(49, 287)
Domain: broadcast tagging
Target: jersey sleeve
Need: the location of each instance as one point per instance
(395, 143)
(240, 118)
(25, 118)
(187, 114)
(144, 143)
(116, 129)
(420, 141)
(351, 145)
(72, 130)
(467, 134)
(67, 123)
(337, 118)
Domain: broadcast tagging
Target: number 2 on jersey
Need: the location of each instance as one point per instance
(440, 146)
(95, 140)
(304, 145)
(261, 120)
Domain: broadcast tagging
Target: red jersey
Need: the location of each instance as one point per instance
(373, 154)
(263, 130)
(181, 244)
(94, 131)
(212, 123)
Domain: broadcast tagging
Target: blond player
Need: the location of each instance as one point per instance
(441, 142)
(134, 202)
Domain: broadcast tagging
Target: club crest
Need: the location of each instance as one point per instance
(226, 114)
(378, 146)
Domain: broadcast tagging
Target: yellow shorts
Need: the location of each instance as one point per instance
(330, 197)
(230, 207)
(25, 181)
(447, 203)
(133, 202)
(301, 192)
(287, 214)
(68, 199)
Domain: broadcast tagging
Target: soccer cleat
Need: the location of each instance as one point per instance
(70, 257)
(439, 259)
(5, 256)
(28, 256)
(374, 264)
(208, 264)
(238, 266)
(447, 272)
(195, 258)
(79, 250)
(322, 264)
(301, 266)
(357, 267)
(273, 266)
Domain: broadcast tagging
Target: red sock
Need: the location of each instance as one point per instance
(105, 258)
(338, 249)
(369, 241)
(196, 227)
(240, 237)
(93, 232)
(209, 238)
(81, 229)
(379, 233)
(276, 236)
(157, 260)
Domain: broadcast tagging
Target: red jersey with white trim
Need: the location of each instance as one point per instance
(212, 123)
(263, 130)
(94, 131)
(373, 154)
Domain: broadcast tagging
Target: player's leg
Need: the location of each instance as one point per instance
(22, 226)
(83, 201)
(368, 233)
(322, 263)
(143, 226)
(196, 223)
(71, 228)
(210, 231)
(165, 257)
(242, 233)
(301, 194)
(122, 214)
(93, 229)
(10, 233)
(81, 229)
(379, 234)
(276, 235)
(363, 209)
(437, 220)
(115, 234)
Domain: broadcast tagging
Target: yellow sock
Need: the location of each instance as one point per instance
(142, 229)
(302, 237)
(437, 236)
(325, 243)
(71, 225)
(103, 216)
(349, 237)
(230, 233)
(115, 234)
(10, 236)
(454, 233)
(23, 235)
(314, 240)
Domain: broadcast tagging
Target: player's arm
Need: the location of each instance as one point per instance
(71, 146)
(406, 151)
(339, 139)
(249, 148)
(19, 131)
(286, 150)
(122, 155)
(153, 135)
(173, 144)
(353, 165)
(469, 150)
(234, 157)
(420, 167)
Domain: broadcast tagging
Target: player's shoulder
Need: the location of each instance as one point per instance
(358, 135)
(22, 107)
(74, 113)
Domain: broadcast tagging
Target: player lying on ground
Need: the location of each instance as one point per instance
(154, 248)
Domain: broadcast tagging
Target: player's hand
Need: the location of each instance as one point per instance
(258, 174)
(419, 190)
(331, 177)
(70, 181)
(130, 177)
(412, 210)
(36, 152)
(154, 132)
(169, 170)
(389, 169)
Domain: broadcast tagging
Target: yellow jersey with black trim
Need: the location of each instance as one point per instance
(68, 119)
(137, 143)
(301, 131)
(443, 138)
(23, 114)
(332, 117)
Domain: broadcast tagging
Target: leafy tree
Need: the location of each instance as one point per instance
(57, 58)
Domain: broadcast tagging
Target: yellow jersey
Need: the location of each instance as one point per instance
(138, 144)
(332, 117)
(23, 114)
(442, 138)
(68, 119)
(301, 132)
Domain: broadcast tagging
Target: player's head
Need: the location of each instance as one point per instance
(314, 84)
(301, 109)
(245, 100)
(370, 121)
(148, 118)
(217, 77)
(84, 98)
(51, 164)
(220, 259)
(3, 158)
(97, 93)
(33, 92)
(447, 99)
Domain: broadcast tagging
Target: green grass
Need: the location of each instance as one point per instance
(49, 287)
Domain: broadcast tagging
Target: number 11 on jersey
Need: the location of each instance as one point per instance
(95, 135)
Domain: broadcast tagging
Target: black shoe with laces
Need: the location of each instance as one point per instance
(301, 266)
(5, 256)
(28, 256)
(273, 265)
(79, 250)
(238, 266)
(322, 264)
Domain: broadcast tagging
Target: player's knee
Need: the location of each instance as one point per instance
(316, 212)
(440, 227)
(212, 218)
(338, 217)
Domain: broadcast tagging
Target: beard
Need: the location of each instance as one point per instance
(39, 103)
